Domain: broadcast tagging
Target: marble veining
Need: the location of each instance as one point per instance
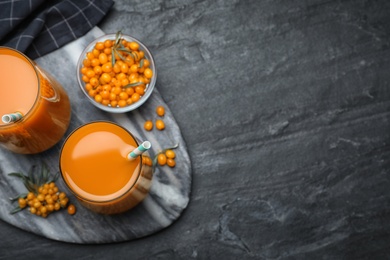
(169, 194)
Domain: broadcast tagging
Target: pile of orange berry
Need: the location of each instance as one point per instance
(116, 72)
(160, 125)
(167, 158)
(48, 199)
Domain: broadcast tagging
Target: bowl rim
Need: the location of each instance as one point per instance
(149, 87)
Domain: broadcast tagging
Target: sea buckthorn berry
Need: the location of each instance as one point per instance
(114, 103)
(107, 43)
(147, 161)
(135, 97)
(129, 61)
(124, 82)
(170, 154)
(54, 197)
(22, 203)
(148, 73)
(90, 56)
(30, 196)
(83, 70)
(134, 46)
(160, 125)
(130, 91)
(160, 110)
(57, 206)
(92, 93)
(105, 77)
(62, 195)
(134, 68)
(94, 82)
(171, 162)
(105, 94)
(71, 209)
(148, 125)
(99, 46)
(50, 201)
(37, 205)
(33, 210)
(122, 103)
(161, 159)
(64, 202)
(133, 76)
(107, 67)
(123, 95)
(124, 67)
(112, 96)
(87, 63)
(43, 209)
(98, 70)
(103, 58)
(98, 98)
(129, 101)
(50, 207)
(107, 51)
(41, 197)
(85, 78)
(140, 90)
(96, 53)
(95, 62)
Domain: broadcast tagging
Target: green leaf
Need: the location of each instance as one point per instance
(141, 63)
(118, 37)
(54, 178)
(23, 195)
(112, 57)
(17, 174)
(133, 84)
(120, 55)
(31, 174)
(30, 186)
(123, 49)
(15, 210)
(45, 174)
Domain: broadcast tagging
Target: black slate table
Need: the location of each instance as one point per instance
(284, 107)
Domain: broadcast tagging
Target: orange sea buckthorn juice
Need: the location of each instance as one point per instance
(95, 168)
(39, 98)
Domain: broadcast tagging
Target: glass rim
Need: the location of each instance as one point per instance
(91, 200)
(37, 97)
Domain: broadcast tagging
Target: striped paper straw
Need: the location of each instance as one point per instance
(139, 150)
(8, 118)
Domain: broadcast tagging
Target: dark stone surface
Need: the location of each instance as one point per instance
(284, 106)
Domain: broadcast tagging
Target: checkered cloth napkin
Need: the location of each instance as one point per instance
(37, 27)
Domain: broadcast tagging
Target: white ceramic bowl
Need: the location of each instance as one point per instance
(149, 86)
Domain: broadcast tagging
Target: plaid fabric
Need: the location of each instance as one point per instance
(37, 27)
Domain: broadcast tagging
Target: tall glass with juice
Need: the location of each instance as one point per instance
(40, 101)
(94, 166)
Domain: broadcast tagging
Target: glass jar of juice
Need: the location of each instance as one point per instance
(94, 165)
(39, 101)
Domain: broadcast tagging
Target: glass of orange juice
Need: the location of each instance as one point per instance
(94, 165)
(34, 108)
